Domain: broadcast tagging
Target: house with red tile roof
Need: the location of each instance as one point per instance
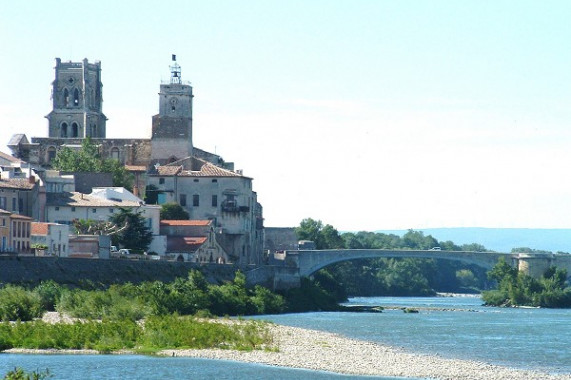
(54, 236)
(193, 240)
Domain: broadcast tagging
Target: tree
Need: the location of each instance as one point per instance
(87, 159)
(134, 233)
(325, 237)
(173, 211)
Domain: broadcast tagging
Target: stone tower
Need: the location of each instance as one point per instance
(76, 96)
(171, 138)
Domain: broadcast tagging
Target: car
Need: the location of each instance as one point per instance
(114, 249)
(124, 251)
(436, 249)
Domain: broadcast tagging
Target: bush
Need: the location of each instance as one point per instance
(17, 303)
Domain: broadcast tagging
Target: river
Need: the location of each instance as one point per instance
(455, 327)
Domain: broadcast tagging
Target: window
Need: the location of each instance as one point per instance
(76, 97)
(65, 97)
(215, 201)
(195, 200)
(3, 203)
(115, 153)
(182, 200)
(74, 130)
(214, 180)
(57, 208)
(73, 209)
(93, 210)
(14, 204)
(195, 180)
(63, 131)
(161, 181)
(51, 153)
(111, 210)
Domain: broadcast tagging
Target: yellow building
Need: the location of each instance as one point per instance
(4, 230)
(20, 231)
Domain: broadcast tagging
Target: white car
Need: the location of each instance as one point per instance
(435, 249)
(124, 251)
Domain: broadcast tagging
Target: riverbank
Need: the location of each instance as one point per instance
(316, 350)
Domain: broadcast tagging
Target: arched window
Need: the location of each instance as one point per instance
(65, 97)
(63, 132)
(76, 97)
(51, 154)
(94, 130)
(115, 153)
(74, 130)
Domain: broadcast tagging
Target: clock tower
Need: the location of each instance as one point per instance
(171, 138)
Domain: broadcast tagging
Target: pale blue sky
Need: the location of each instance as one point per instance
(363, 114)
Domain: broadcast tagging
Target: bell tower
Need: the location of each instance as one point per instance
(76, 101)
(171, 138)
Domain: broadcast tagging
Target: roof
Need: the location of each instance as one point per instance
(85, 200)
(114, 193)
(40, 228)
(184, 243)
(195, 167)
(5, 212)
(10, 158)
(18, 139)
(17, 183)
(186, 222)
(22, 217)
(136, 168)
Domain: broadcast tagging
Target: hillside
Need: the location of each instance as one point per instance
(501, 239)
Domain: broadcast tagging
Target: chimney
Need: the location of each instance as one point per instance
(32, 179)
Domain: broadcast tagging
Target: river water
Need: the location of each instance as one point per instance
(455, 327)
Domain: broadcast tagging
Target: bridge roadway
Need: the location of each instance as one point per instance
(310, 261)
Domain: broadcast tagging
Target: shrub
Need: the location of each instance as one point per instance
(17, 303)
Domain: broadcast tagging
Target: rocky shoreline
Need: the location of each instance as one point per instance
(317, 350)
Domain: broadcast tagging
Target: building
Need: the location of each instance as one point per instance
(4, 231)
(77, 101)
(21, 196)
(53, 236)
(77, 113)
(207, 191)
(20, 231)
(193, 240)
(100, 205)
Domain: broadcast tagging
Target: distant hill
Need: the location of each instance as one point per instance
(501, 239)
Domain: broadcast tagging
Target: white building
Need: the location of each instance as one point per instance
(100, 205)
(52, 235)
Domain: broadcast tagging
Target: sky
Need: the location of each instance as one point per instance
(366, 115)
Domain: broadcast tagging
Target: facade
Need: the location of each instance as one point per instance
(207, 191)
(21, 196)
(54, 236)
(20, 231)
(77, 101)
(193, 240)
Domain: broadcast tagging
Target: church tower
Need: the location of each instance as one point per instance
(171, 138)
(76, 96)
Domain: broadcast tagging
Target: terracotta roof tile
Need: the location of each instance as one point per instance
(184, 243)
(8, 157)
(22, 217)
(186, 222)
(16, 183)
(86, 200)
(40, 228)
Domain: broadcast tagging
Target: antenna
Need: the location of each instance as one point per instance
(175, 71)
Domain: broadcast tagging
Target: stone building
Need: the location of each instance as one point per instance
(207, 191)
(55, 237)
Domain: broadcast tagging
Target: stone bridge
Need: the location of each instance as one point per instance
(290, 266)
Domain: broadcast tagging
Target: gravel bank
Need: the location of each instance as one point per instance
(316, 350)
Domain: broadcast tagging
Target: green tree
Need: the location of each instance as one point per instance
(87, 159)
(324, 237)
(173, 211)
(133, 233)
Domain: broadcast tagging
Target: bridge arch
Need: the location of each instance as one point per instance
(310, 261)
